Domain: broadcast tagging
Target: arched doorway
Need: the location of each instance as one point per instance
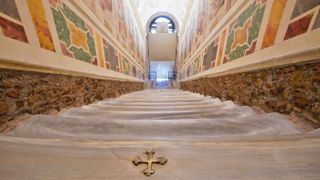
(162, 44)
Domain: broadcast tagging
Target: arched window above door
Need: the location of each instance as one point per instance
(162, 24)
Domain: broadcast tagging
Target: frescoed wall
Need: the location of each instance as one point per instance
(257, 26)
(276, 15)
(103, 10)
(111, 56)
(204, 17)
(244, 31)
(75, 35)
(59, 26)
(10, 21)
(302, 15)
(126, 67)
(119, 20)
(211, 54)
(41, 24)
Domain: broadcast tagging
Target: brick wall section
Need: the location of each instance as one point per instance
(39, 93)
(290, 89)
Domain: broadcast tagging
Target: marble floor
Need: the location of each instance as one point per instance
(202, 138)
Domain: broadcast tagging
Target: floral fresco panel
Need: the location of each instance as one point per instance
(244, 32)
(76, 36)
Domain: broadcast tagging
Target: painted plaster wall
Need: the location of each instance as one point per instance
(118, 18)
(204, 17)
(67, 28)
(244, 33)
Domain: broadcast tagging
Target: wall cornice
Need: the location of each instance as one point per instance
(14, 56)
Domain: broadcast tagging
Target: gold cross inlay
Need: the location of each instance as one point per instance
(150, 152)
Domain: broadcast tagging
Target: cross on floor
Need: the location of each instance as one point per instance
(150, 152)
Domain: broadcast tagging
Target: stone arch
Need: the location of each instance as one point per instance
(177, 25)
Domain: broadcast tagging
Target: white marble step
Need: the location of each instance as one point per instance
(102, 129)
(189, 116)
(202, 137)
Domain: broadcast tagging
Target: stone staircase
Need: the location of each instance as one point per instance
(157, 114)
(203, 138)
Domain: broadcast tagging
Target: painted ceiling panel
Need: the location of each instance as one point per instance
(147, 8)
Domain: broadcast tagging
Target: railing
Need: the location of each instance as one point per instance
(172, 75)
(152, 75)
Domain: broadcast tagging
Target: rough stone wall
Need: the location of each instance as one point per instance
(290, 89)
(40, 93)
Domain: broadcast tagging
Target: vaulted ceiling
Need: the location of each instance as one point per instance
(147, 8)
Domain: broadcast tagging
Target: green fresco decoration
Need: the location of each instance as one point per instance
(75, 35)
(244, 32)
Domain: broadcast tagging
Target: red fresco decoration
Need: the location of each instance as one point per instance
(252, 48)
(65, 50)
(107, 5)
(95, 61)
(10, 28)
(13, 30)
(55, 2)
(298, 27)
(302, 25)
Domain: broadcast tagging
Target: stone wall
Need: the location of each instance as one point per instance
(290, 89)
(40, 93)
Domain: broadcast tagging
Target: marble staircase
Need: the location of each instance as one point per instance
(203, 138)
(157, 114)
